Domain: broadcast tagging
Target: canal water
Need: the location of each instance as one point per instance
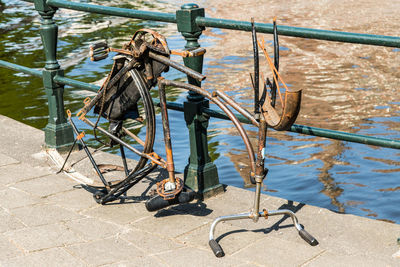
(346, 87)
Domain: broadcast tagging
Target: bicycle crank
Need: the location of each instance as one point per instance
(170, 194)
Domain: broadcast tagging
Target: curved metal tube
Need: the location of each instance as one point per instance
(284, 212)
(227, 218)
(236, 106)
(250, 215)
(188, 71)
(224, 108)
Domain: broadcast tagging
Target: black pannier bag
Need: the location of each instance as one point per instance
(120, 101)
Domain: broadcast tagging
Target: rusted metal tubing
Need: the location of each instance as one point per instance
(240, 129)
(262, 136)
(166, 130)
(237, 107)
(189, 53)
(259, 173)
(188, 71)
(162, 59)
(189, 87)
(128, 146)
(89, 155)
(225, 109)
(134, 136)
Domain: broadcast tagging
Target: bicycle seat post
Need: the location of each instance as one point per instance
(260, 170)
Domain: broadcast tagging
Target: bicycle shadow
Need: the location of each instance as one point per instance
(197, 208)
(150, 181)
(276, 226)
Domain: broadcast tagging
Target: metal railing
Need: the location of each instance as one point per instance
(201, 173)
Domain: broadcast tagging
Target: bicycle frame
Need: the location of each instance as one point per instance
(171, 190)
(257, 165)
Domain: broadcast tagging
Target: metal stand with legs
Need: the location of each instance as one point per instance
(255, 214)
(263, 110)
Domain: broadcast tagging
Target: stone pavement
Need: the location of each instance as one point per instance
(48, 219)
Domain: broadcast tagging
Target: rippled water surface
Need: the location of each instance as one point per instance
(346, 87)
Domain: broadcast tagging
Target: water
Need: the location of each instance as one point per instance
(347, 87)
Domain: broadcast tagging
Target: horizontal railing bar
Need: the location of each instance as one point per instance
(76, 84)
(114, 11)
(57, 79)
(12, 66)
(343, 136)
(307, 130)
(337, 36)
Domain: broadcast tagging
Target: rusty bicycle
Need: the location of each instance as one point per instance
(124, 100)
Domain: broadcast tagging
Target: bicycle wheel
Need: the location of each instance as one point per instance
(145, 122)
(129, 108)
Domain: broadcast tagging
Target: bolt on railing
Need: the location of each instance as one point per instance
(200, 174)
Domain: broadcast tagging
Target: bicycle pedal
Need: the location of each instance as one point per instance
(99, 51)
(158, 202)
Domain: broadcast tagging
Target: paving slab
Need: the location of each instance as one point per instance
(122, 214)
(171, 224)
(20, 141)
(11, 174)
(12, 197)
(138, 261)
(197, 257)
(90, 229)
(105, 251)
(9, 222)
(8, 249)
(49, 257)
(271, 251)
(151, 243)
(334, 260)
(6, 160)
(76, 199)
(43, 214)
(43, 237)
(231, 238)
(46, 185)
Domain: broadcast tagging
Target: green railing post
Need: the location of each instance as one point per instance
(201, 174)
(58, 133)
